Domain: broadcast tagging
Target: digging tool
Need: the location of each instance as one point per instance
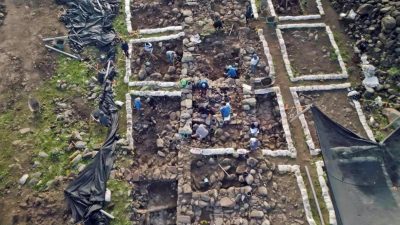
(60, 37)
(64, 53)
(156, 209)
(107, 214)
(223, 169)
(230, 30)
(300, 113)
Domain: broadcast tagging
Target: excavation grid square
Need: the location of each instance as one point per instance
(288, 10)
(155, 14)
(155, 202)
(156, 66)
(219, 50)
(268, 116)
(154, 129)
(310, 52)
(347, 116)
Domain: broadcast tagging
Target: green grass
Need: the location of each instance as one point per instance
(119, 23)
(333, 56)
(120, 197)
(394, 71)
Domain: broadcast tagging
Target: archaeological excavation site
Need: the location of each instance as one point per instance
(199, 112)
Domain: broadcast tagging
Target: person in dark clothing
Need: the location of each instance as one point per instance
(218, 24)
(125, 48)
(249, 13)
(151, 102)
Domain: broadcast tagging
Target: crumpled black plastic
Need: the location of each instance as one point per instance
(90, 23)
(86, 194)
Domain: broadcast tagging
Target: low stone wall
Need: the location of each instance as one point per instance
(157, 39)
(325, 193)
(160, 30)
(303, 190)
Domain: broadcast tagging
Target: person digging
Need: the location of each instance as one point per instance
(254, 62)
(171, 56)
(225, 111)
(231, 72)
(249, 13)
(203, 86)
(201, 132)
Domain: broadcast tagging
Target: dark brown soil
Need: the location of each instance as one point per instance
(229, 134)
(158, 62)
(271, 134)
(218, 51)
(346, 116)
(295, 7)
(310, 51)
(202, 168)
(155, 15)
(151, 124)
(154, 194)
(289, 205)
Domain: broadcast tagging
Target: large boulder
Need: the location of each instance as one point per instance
(227, 202)
(388, 23)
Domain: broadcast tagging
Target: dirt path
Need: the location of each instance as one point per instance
(24, 64)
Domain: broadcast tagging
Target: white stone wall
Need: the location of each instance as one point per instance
(160, 30)
(325, 193)
(157, 39)
(254, 8)
(267, 53)
(152, 83)
(128, 16)
(342, 75)
(156, 93)
(363, 120)
(129, 122)
(303, 190)
(218, 151)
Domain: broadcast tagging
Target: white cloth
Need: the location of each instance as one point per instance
(201, 131)
(254, 61)
(254, 131)
(148, 47)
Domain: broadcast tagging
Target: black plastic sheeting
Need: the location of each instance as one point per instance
(86, 194)
(361, 174)
(90, 23)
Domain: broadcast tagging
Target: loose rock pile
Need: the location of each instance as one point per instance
(376, 22)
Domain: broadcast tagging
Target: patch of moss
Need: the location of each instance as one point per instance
(394, 71)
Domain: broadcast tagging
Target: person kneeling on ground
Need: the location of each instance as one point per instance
(201, 132)
(148, 47)
(218, 24)
(231, 72)
(202, 85)
(254, 129)
(125, 48)
(225, 112)
(254, 143)
(151, 102)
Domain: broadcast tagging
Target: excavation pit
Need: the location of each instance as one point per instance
(155, 202)
(320, 56)
(156, 66)
(154, 131)
(347, 117)
(271, 134)
(295, 8)
(155, 14)
(220, 171)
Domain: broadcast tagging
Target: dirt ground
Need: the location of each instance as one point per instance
(155, 15)
(25, 64)
(295, 8)
(347, 117)
(310, 51)
(157, 66)
(149, 126)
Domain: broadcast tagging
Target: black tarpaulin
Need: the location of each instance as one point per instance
(360, 174)
(86, 194)
(90, 23)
